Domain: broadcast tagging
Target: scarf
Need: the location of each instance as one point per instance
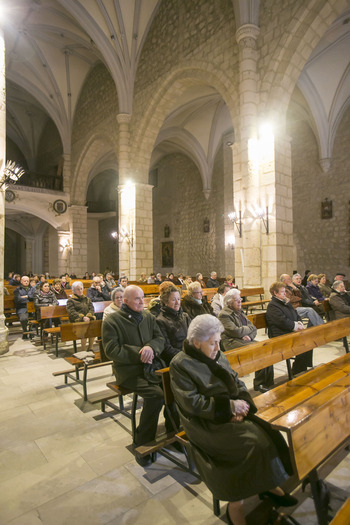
(137, 316)
(214, 367)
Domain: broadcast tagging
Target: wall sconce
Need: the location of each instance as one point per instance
(124, 235)
(66, 245)
(264, 216)
(11, 173)
(237, 220)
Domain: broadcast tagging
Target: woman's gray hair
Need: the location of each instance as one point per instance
(231, 295)
(114, 291)
(336, 284)
(193, 287)
(76, 284)
(202, 327)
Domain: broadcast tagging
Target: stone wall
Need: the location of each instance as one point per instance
(179, 202)
(49, 150)
(323, 245)
(108, 246)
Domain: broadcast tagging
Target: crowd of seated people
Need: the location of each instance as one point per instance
(183, 329)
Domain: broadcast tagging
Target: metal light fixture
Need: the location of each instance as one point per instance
(237, 220)
(264, 216)
(11, 173)
(124, 235)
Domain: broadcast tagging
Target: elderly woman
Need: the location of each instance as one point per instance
(117, 300)
(173, 323)
(239, 331)
(193, 303)
(155, 305)
(237, 454)
(313, 289)
(199, 278)
(230, 281)
(80, 309)
(323, 286)
(58, 290)
(109, 281)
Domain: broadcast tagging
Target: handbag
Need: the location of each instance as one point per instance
(149, 370)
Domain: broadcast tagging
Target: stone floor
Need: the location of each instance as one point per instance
(64, 462)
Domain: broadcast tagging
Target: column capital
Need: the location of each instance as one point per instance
(247, 34)
(123, 118)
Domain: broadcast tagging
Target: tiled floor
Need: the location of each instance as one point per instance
(63, 462)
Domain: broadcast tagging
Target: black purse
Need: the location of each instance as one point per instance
(149, 370)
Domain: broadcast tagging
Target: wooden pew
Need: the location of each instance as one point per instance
(10, 310)
(313, 410)
(76, 331)
(271, 351)
(99, 306)
(249, 292)
(52, 312)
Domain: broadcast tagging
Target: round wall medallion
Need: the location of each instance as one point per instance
(60, 206)
(10, 196)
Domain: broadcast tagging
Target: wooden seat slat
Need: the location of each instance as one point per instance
(100, 306)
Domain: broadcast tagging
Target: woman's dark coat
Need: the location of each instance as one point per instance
(43, 299)
(192, 308)
(280, 317)
(79, 306)
(235, 459)
(174, 326)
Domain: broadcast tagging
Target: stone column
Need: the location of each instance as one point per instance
(276, 184)
(3, 328)
(77, 245)
(67, 173)
(135, 229)
(245, 170)
(230, 231)
(64, 251)
(29, 255)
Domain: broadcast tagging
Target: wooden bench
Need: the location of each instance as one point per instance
(99, 306)
(49, 313)
(73, 332)
(249, 292)
(313, 410)
(10, 309)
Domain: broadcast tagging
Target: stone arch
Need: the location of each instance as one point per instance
(303, 33)
(178, 80)
(97, 147)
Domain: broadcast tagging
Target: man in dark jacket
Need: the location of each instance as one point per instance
(281, 318)
(23, 294)
(131, 339)
(293, 294)
(97, 294)
(213, 282)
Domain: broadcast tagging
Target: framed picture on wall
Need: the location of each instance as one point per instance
(167, 254)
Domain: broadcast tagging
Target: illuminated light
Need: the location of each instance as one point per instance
(231, 241)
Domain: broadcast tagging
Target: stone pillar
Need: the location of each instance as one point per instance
(3, 328)
(64, 251)
(77, 245)
(276, 184)
(67, 173)
(245, 170)
(29, 255)
(135, 229)
(229, 228)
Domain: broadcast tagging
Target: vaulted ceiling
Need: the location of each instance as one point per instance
(51, 45)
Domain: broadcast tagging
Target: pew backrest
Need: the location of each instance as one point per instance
(74, 331)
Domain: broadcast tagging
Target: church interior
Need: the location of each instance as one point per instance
(176, 136)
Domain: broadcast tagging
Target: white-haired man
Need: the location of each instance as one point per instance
(131, 338)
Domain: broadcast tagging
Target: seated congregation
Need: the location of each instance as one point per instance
(182, 329)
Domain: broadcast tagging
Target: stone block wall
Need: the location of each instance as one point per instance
(324, 247)
(108, 246)
(49, 150)
(179, 202)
